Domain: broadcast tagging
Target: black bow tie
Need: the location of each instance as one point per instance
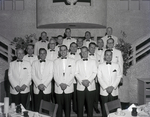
(30, 56)
(52, 50)
(43, 41)
(91, 54)
(108, 63)
(42, 61)
(110, 49)
(64, 58)
(72, 53)
(109, 36)
(85, 59)
(100, 49)
(79, 48)
(19, 60)
(87, 40)
(68, 38)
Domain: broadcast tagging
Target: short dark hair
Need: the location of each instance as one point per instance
(84, 47)
(73, 43)
(30, 45)
(42, 49)
(108, 51)
(111, 39)
(59, 36)
(67, 29)
(63, 46)
(92, 43)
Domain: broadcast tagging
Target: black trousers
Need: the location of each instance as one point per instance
(64, 103)
(88, 98)
(105, 99)
(97, 97)
(20, 98)
(38, 98)
(75, 98)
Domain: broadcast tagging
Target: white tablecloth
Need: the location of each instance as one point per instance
(128, 114)
(30, 113)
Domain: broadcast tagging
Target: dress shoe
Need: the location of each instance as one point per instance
(97, 110)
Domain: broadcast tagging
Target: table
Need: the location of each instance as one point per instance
(128, 114)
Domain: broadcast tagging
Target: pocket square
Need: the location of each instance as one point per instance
(69, 65)
(25, 68)
(115, 70)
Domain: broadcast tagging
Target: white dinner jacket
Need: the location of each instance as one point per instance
(67, 42)
(86, 43)
(109, 75)
(19, 78)
(68, 78)
(116, 58)
(39, 45)
(105, 38)
(30, 59)
(52, 55)
(96, 57)
(42, 78)
(88, 74)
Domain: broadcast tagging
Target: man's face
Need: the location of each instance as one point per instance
(42, 54)
(92, 48)
(60, 40)
(44, 36)
(80, 42)
(63, 51)
(109, 31)
(73, 48)
(108, 56)
(84, 53)
(30, 49)
(20, 54)
(100, 43)
(87, 35)
(68, 33)
(110, 43)
(52, 44)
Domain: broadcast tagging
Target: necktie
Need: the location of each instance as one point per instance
(85, 59)
(42, 61)
(72, 53)
(19, 60)
(91, 54)
(110, 49)
(108, 63)
(52, 50)
(64, 58)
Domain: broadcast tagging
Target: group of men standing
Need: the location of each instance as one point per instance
(74, 69)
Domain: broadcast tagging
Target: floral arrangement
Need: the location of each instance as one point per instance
(20, 42)
(125, 48)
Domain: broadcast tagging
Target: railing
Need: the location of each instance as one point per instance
(6, 50)
(140, 49)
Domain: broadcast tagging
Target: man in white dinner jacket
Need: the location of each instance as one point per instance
(116, 56)
(68, 39)
(42, 74)
(109, 35)
(64, 69)
(109, 76)
(20, 79)
(86, 70)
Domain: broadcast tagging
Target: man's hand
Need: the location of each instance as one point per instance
(41, 87)
(109, 89)
(23, 87)
(18, 89)
(85, 83)
(63, 86)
